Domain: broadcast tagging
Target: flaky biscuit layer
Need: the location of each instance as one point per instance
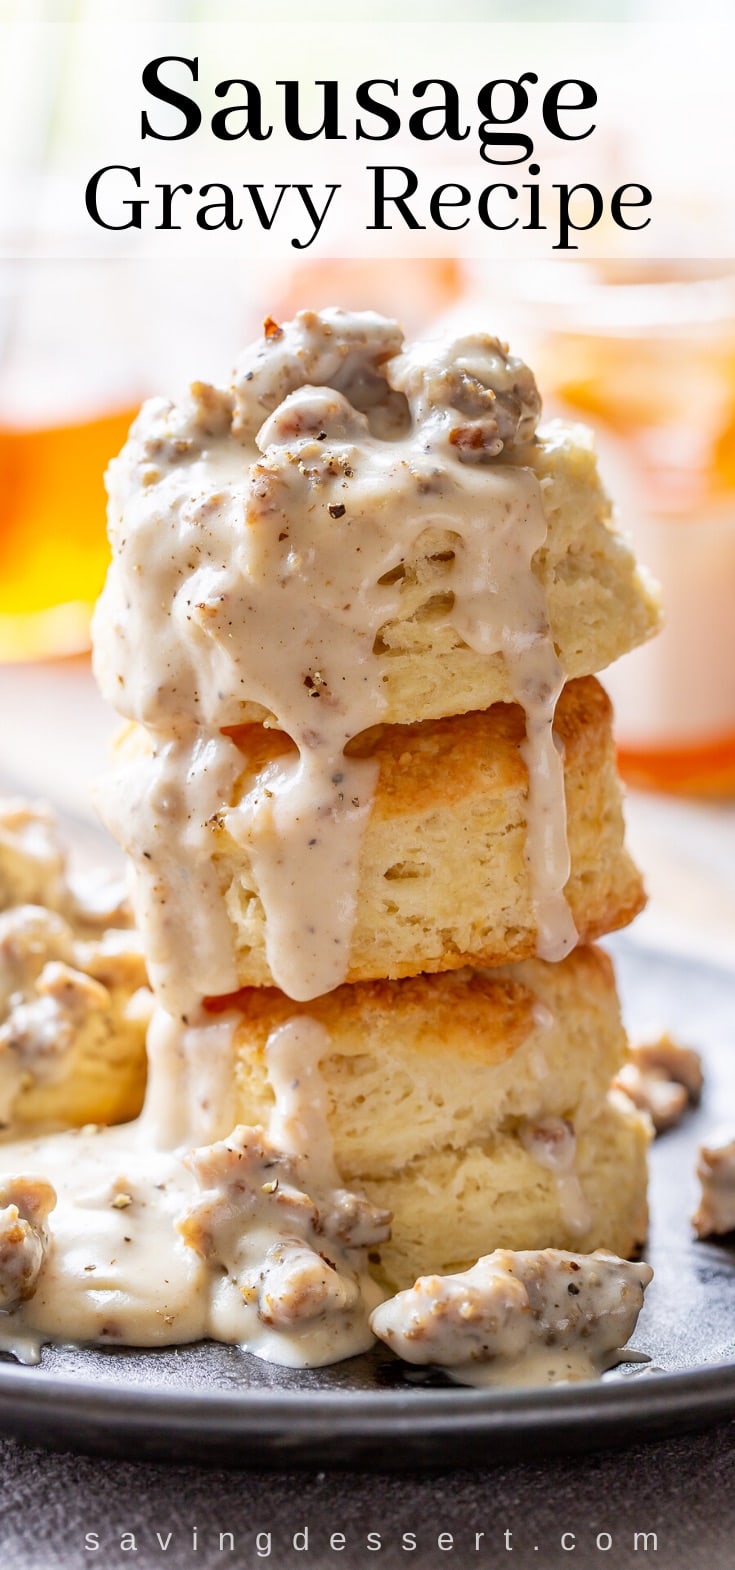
(444, 879)
(435, 1062)
(429, 1085)
(452, 1207)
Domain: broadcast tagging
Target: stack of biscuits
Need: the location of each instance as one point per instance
(468, 1095)
(467, 1081)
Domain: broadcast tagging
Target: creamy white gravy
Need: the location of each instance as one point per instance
(255, 561)
(535, 1317)
(131, 1236)
(551, 1142)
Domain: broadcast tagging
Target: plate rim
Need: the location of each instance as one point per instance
(710, 1387)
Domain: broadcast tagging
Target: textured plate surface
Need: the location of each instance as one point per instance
(215, 1403)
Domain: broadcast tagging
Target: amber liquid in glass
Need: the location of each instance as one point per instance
(53, 544)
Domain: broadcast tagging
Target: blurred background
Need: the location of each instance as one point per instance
(643, 351)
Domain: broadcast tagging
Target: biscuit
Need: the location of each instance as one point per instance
(73, 1019)
(360, 486)
(102, 1080)
(600, 603)
(443, 1062)
(432, 1088)
(443, 877)
(451, 1207)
